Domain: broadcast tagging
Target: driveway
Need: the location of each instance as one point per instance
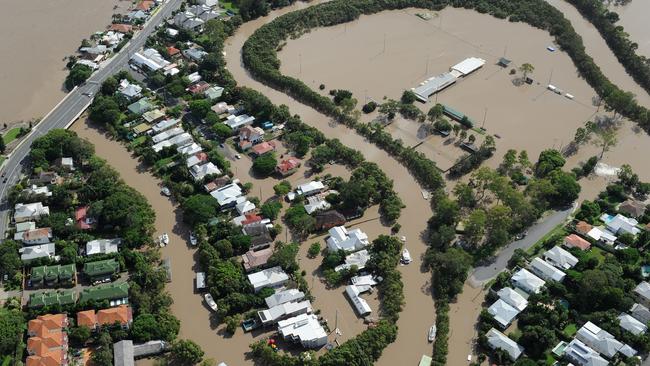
(485, 273)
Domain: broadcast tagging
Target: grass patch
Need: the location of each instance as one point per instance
(550, 360)
(138, 141)
(570, 330)
(11, 135)
(163, 163)
(2, 159)
(557, 231)
(597, 253)
(229, 6)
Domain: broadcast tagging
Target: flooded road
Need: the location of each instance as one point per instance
(36, 37)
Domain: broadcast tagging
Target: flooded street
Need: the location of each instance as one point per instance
(36, 37)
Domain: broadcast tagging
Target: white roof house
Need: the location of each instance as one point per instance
(527, 281)
(433, 85)
(546, 271)
(192, 161)
(305, 329)
(640, 313)
(201, 171)
(364, 281)
(503, 313)
(310, 188)
(620, 224)
(164, 125)
(282, 311)
(598, 339)
(605, 236)
(30, 211)
(227, 195)
(178, 140)
(166, 135)
(643, 292)
(498, 340)
(284, 296)
(36, 190)
(130, 91)
(632, 325)
(25, 226)
(245, 207)
(103, 246)
(342, 239)
(560, 258)
(37, 251)
(467, 66)
(358, 259)
(513, 298)
(271, 277)
(316, 203)
(237, 122)
(582, 355)
(189, 149)
(360, 304)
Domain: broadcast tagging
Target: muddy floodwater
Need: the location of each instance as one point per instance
(634, 18)
(35, 38)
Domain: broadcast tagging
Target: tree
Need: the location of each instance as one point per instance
(442, 125)
(12, 323)
(109, 86)
(200, 108)
(605, 139)
(162, 326)
(408, 97)
(103, 355)
(463, 135)
(186, 352)
(499, 219)
(456, 129)
(282, 188)
(284, 255)
(435, 112)
(450, 272)
(314, 250)
(472, 138)
(77, 76)
(523, 159)
(199, 208)
(475, 226)
(3, 147)
(222, 131)
(271, 209)
(105, 110)
(79, 334)
(537, 340)
(265, 164)
(526, 69)
(549, 160)
(509, 161)
(627, 177)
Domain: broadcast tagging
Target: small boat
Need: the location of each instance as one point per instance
(406, 256)
(432, 333)
(163, 239)
(210, 301)
(193, 239)
(166, 191)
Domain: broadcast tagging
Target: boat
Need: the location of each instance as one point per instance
(166, 191)
(432, 333)
(163, 239)
(210, 301)
(406, 256)
(193, 239)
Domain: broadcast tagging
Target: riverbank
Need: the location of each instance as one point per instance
(634, 19)
(37, 36)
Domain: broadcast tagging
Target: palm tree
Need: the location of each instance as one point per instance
(463, 135)
(472, 138)
(456, 129)
(526, 69)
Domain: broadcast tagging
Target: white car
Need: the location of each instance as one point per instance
(210, 301)
(406, 256)
(193, 239)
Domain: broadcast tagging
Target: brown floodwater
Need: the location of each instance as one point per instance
(36, 36)
(634, 18)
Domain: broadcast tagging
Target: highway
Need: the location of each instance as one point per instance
(72, 105)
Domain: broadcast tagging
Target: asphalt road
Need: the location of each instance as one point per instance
(485, 273)
(72, 105)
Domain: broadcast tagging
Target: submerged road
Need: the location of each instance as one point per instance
(71, 106)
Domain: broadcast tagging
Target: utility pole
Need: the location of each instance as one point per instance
(484, 118)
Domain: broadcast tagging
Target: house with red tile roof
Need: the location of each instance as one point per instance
(583, 228)
(256, 259)
(173, 51)
(199, 87)
(574, 241)
(122, 28)
(288, 166)
(122, 314)
(145, 5)
(46, 324)
(47, 344)
(217, 183)
(80, 216)
(263, 148)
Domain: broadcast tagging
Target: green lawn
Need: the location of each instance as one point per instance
(550, 360)
(229, 6)
(163, 162)
(2, 159)
(570, 330)
(138, 141)
(11, 135)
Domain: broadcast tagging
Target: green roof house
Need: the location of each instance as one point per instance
(111, 291)
(48, 298)
(101, 269)
(52, 275)
(141, 106)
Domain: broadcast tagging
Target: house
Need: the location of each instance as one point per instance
(198, 88)
(583, 228)
(253, 134)
(166, 135)
(214, 93)
(546, 271)
(237, 122)
(199, 172)
(641, 313)
(128, 90)
(122, 28)
(122, 315)
(111, 291)
(217, 183)
(210, 3)
(111, 38)
(227, 195)
(263, 148)
(35, 237)
(560, 258)
(598, 339)
(582, 355)
(101, 270)
(178, 140)
(316, 203)
(24, 226)
(153, 116)
(574, 241)
(342, 239)
(642, 291)
(188, 20)
(173, 51)
(48, 298)
(195, 159)
(248, 219)
(603, 236)
(287, 166)
(259, 233)
(52, 275)
(310, 188)
(35, 190)
(527, 281)
(513, 298)
(256, 259)
(497, 340)
(503, 313)
(83, 222)
(305, 329)
(329, 219)
(222, 107)
(48, 342)
(28, 254)
(164, 125)
(30, 212)
(194, 54)
(191, 149)
(271, 277)
(103, 246)
(245, 207)
(357, 259)
(360, 304)
(46, 178)
(140, 106)
(283, 311)
(620, 224)
(124, 352)
(632, 208)
(631, 324)
(284, 296)
(145, 5)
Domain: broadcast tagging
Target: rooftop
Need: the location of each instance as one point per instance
(498, 340)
